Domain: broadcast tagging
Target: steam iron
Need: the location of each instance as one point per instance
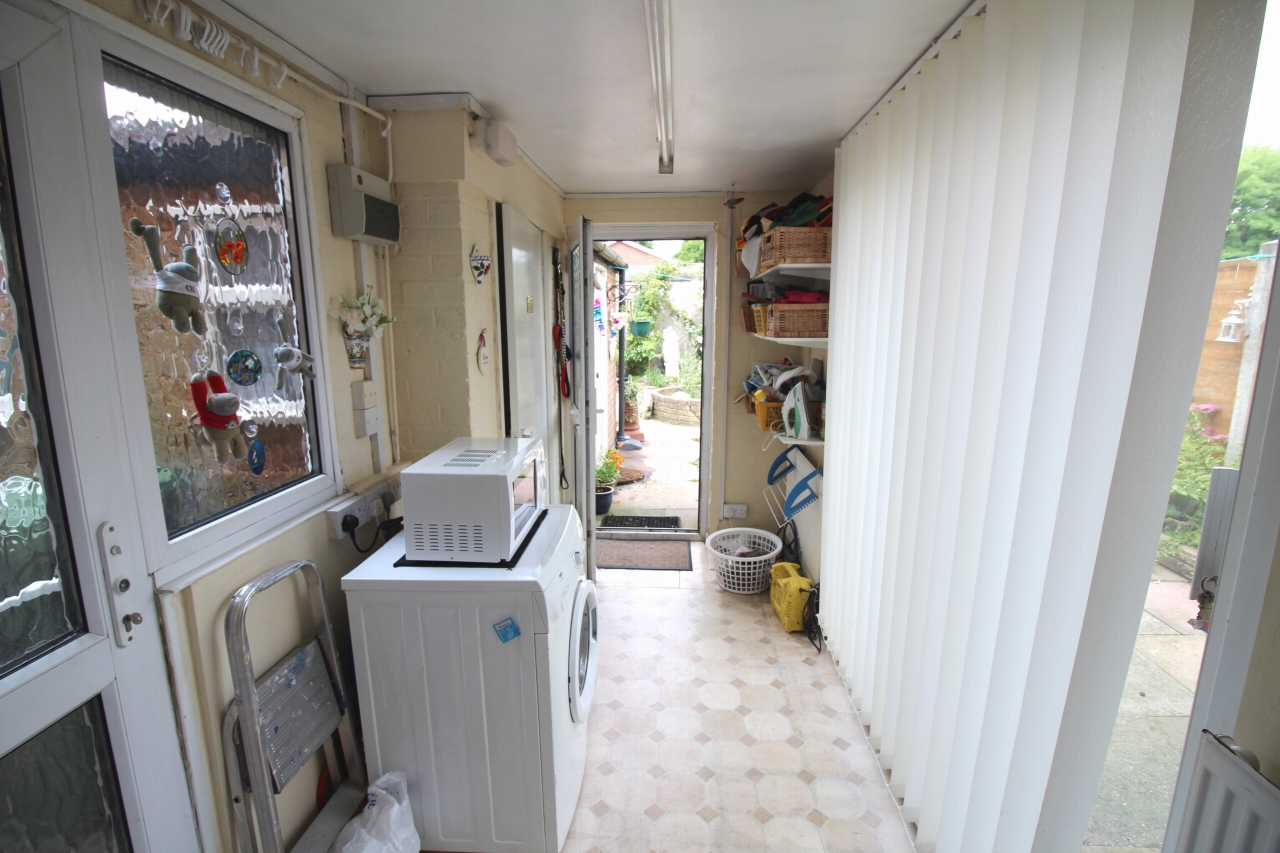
(795, 413)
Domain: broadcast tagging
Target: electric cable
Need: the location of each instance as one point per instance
(388, 528)
(812, 629)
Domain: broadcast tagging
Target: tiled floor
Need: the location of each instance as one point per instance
(713, 730)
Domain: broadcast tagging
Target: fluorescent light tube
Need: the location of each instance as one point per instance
(657, 16)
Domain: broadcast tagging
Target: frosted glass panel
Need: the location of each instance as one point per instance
(207, 222)
(58, 791)
(39, 599)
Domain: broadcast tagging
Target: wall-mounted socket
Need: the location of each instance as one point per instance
(734, 511)
(363, 507)
(367, 505)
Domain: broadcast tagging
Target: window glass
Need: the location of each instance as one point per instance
(39, 596)
(58, 791)
(207, 221)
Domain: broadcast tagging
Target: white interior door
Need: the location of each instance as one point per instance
(527, 345)
(585, 417)
(89, 750)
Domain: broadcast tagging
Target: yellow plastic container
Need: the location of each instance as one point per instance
(788, 593)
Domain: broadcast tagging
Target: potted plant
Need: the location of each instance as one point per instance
(606, 479)
(362, 320)
(631, 397)
(640, 326)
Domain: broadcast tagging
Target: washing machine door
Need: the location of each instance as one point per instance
(584, 648)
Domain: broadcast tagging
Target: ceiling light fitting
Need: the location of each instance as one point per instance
(657, 17)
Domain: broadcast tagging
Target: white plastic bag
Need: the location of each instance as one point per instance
(385, 825)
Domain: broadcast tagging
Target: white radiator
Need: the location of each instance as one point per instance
(1232, 808)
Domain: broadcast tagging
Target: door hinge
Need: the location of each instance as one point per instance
(127, 597)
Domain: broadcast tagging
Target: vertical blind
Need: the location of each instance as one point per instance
(997, 222)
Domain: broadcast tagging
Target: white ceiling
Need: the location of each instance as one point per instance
(764, 89)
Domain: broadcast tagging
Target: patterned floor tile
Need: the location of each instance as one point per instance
(713, 730)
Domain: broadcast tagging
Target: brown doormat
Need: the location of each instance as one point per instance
(639, 554)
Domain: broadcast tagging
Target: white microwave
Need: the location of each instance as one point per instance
(475, 500)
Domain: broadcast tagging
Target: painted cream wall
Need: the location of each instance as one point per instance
(447, 194)
(747, 465)
(196, 612)
(1257, 724)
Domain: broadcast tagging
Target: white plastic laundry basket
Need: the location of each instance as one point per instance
(744, 575)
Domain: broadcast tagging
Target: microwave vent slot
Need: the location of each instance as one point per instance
(473, 458)
(454, 538)
(419, 537)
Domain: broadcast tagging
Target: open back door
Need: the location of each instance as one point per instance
(581, 303)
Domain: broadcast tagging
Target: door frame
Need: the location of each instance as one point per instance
(69, 292)
(1246, 570)
(705, 231)
(579, 254)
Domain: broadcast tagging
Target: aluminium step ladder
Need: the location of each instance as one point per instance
(299, 705)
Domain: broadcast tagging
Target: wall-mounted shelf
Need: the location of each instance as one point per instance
(817, 343)
(782, 272)
(803, 442)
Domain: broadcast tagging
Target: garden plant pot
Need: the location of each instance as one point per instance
(631, 417)
(604, 499)
(640, 328)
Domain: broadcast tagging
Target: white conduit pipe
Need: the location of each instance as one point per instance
(385, 119)
(214, 39)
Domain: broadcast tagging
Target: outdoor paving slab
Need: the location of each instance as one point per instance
(1138, 778)
(1177, 654)
(1170, 602)
(1152, 625)
(1150, 691)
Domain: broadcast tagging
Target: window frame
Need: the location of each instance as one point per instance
(192, 550)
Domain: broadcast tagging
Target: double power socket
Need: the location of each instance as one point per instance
(375, 497)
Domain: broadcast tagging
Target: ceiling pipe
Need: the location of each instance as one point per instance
(657, 17)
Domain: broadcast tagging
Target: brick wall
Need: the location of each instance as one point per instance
(429, 298)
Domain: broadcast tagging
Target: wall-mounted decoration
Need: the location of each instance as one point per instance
(362, 319)
(222, 192)
(177, 284)
(482, 352)
(233, 254)
(480, 265)
(257, 457)
(290, 359)
(244, 367)
(357, 344)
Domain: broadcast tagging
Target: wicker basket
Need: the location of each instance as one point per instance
(797, 321)
(794, 246)
(748, 319)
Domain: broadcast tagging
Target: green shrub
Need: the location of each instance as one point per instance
(1201, 452)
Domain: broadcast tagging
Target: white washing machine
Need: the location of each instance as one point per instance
(476, 681)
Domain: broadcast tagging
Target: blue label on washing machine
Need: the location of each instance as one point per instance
(507, 629)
